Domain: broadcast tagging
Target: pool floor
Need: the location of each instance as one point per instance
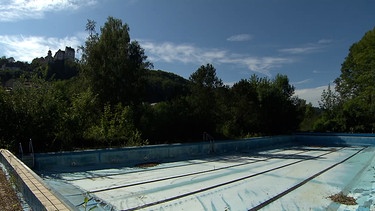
(290, 178)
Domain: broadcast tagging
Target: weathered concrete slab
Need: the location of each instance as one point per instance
(293, 178)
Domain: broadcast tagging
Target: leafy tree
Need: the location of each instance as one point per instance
(329, 120)
(204, 100)
(114, 65)
(116, 127)
(8, 122)
(37, 108)
(244, 109)
(263, 106)
(356, 87)
(309, 115)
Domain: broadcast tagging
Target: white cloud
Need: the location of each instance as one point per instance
(316, 71)
(324, 41)
(300, 50)
(239, 38)
(257, 64)
(312, 95)
(185, 53)
(308, 48)
(26, 48)
(13, 10)
(302, 82)
(170, 52)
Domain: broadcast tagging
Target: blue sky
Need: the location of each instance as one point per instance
(305, 40)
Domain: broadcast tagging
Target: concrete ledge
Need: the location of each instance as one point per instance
(36, 193)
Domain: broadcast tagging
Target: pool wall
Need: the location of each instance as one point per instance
(131, 156)
(335, 139)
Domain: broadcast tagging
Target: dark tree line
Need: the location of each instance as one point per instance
(113, 98)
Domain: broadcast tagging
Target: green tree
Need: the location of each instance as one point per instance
(244, 110)
(8, 121)
(309, 115)
(204, 100)
(116, 128)
(37, 108)
(356, 87)
(113, 64)
(263, 106)
(330, 105)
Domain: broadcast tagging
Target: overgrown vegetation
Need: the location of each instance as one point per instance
(343, 199)
(112, 97)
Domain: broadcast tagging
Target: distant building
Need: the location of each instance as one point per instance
(68, 54)
(59, 55)
(49, 57)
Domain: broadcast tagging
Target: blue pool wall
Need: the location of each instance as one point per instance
(131, 156)
(336, 139)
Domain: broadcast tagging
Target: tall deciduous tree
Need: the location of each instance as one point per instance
(356, 85)
(113, 64)
(205, 86)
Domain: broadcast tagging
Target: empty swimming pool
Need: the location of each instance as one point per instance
(288, 177)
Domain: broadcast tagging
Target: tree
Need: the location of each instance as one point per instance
(356, 87)
(90, 27)
(244, 118)
(37, 111)
(205, 98)
(263, 106)
(7, 123)
(329, 104)
(113, 65)
(116, 127)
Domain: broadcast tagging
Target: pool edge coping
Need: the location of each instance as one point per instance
(41, 195)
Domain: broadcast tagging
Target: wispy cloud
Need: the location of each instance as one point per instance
(300, 50)
(13, 10)
(262, 65)
(302, 82)
(26, 48)
(316, 71)
(324, 41)
(307, 48)
(239, 38)
(186, 53)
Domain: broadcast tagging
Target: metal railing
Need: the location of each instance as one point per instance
(208, 137)
(29, 158)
